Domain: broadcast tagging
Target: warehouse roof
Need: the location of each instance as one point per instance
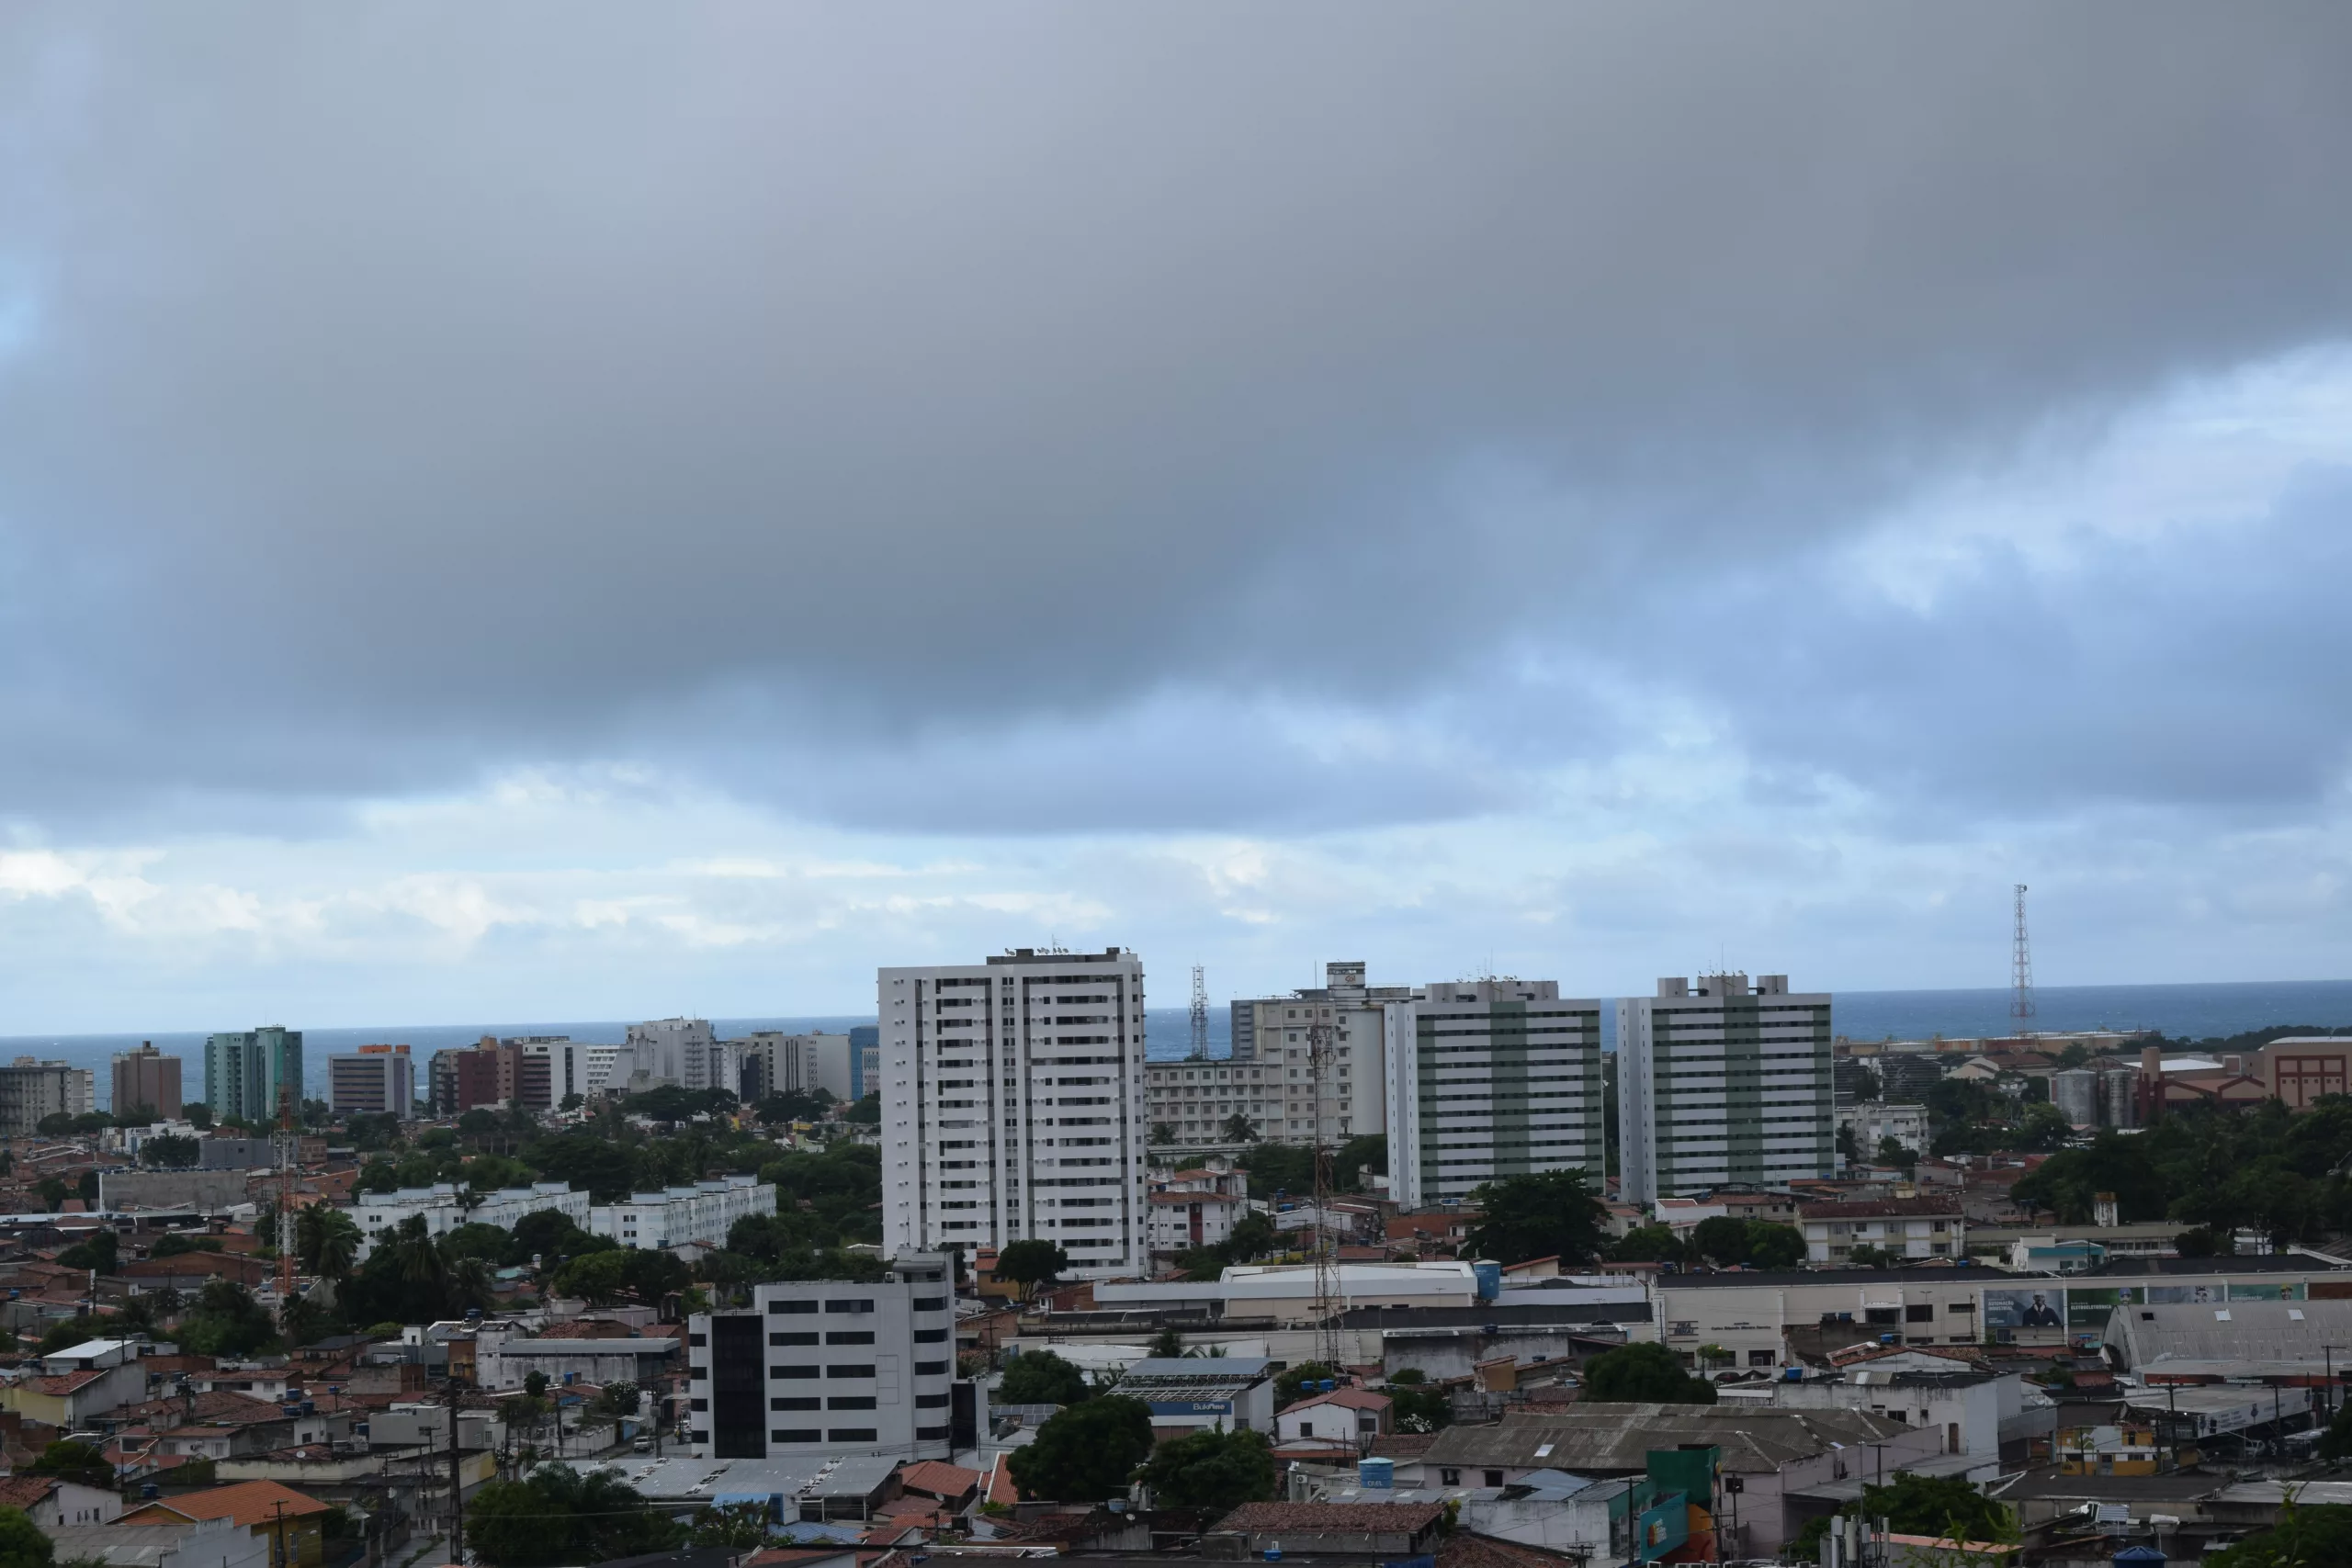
(1595, 1436)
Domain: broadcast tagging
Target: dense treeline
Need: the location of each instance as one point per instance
(2258, 1168)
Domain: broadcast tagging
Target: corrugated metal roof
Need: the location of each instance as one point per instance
(1599, 1437)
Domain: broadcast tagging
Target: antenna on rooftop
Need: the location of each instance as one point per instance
(2021, 967)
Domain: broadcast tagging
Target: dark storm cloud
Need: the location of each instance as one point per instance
(387, 395)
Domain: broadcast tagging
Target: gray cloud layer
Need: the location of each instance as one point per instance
(387, 395)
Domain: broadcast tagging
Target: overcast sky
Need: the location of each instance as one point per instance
(557, 512)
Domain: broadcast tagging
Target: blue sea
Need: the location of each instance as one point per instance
(2194, 1012)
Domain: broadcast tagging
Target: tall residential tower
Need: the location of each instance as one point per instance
(1489, 1078)
(1722, 1085)
(1012, 1106)
(243, 1072)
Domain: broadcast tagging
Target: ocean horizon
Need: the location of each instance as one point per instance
(2196, 1011)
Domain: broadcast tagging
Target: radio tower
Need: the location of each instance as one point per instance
(1325, 1245)
(2021, 970)
(288, 1151)
(1200, 1014)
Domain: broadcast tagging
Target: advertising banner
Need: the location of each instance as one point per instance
(2039, 1307)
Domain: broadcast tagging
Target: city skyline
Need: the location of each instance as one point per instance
(1462, 505)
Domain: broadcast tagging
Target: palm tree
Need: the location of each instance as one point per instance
(415, 1260)
(326, 1240)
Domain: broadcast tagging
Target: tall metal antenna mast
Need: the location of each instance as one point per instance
(1200, 1014)
(1320, 1047)
(2022, 968)
(288, 1151)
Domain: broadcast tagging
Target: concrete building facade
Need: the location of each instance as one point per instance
(1012, 1106)
(1266, 1079)
(444, 1209)
(1723, 1083)
(374, 1080)
(145, 1076)
(243, 1072)
(1490, 1078)
(825, 1368)
(31, 1090)
(695, 1212)
(818, 1063)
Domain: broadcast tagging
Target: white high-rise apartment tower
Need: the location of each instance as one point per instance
(1722, 1084)
(1012, 1106)
(1490, 1078)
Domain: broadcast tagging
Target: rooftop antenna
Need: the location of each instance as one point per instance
(2022, 968)
(1200, 1014)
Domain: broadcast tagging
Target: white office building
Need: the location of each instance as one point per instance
(676, 1051)
(697, 1212)
(778, 1062)
(445, 1208)
(1723, 1083)
(1012, 1106)
(1267, 1079)
(1490, 1078)
(826, 1368)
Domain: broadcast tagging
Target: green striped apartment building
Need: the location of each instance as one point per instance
(1489, 1078)
(1722, 1084)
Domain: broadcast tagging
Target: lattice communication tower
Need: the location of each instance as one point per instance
(2022, 968)
(1200, 1014)
(1321, 1042)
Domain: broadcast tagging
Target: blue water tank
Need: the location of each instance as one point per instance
(1491, 1279)
(2139, 1557)
(1377, 1474)
(1793, 1374)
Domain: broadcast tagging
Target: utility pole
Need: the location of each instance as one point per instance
(456, 1485)
(1327, 1296)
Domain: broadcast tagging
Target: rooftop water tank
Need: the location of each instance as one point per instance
(1491, 1279)
(1377, 1474)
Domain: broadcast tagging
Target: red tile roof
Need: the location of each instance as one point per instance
(1352, 1398)
(24, 1491)
(247, 1503)
(937, 1478)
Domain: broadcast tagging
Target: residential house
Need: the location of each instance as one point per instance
(205, 1543)
(1351, 1416)
(55, 1505)
(1378, 1529)
(291, 1523)
(1908, 1227)
(73, 1400)
(1198, 1207)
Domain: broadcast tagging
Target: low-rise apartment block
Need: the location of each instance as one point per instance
(827, 1368)
(1908, 1227)
(1197, 1207)
(444, 1208)
(698, 1211)
(1872, 1120)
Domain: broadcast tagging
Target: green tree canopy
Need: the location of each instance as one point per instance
(170, 1151)
(1032, 1265)
(561, 1516)
(1040, 1377)
(99, 1250)
(1647, 1244)
(1086, 1453)
(84, 1463)
(1542, 1214)
(23, 1543)
(1290, 1384)
(1648, 1372)
(2303, 1538)
(1943, 1506)
(1212, 1469)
